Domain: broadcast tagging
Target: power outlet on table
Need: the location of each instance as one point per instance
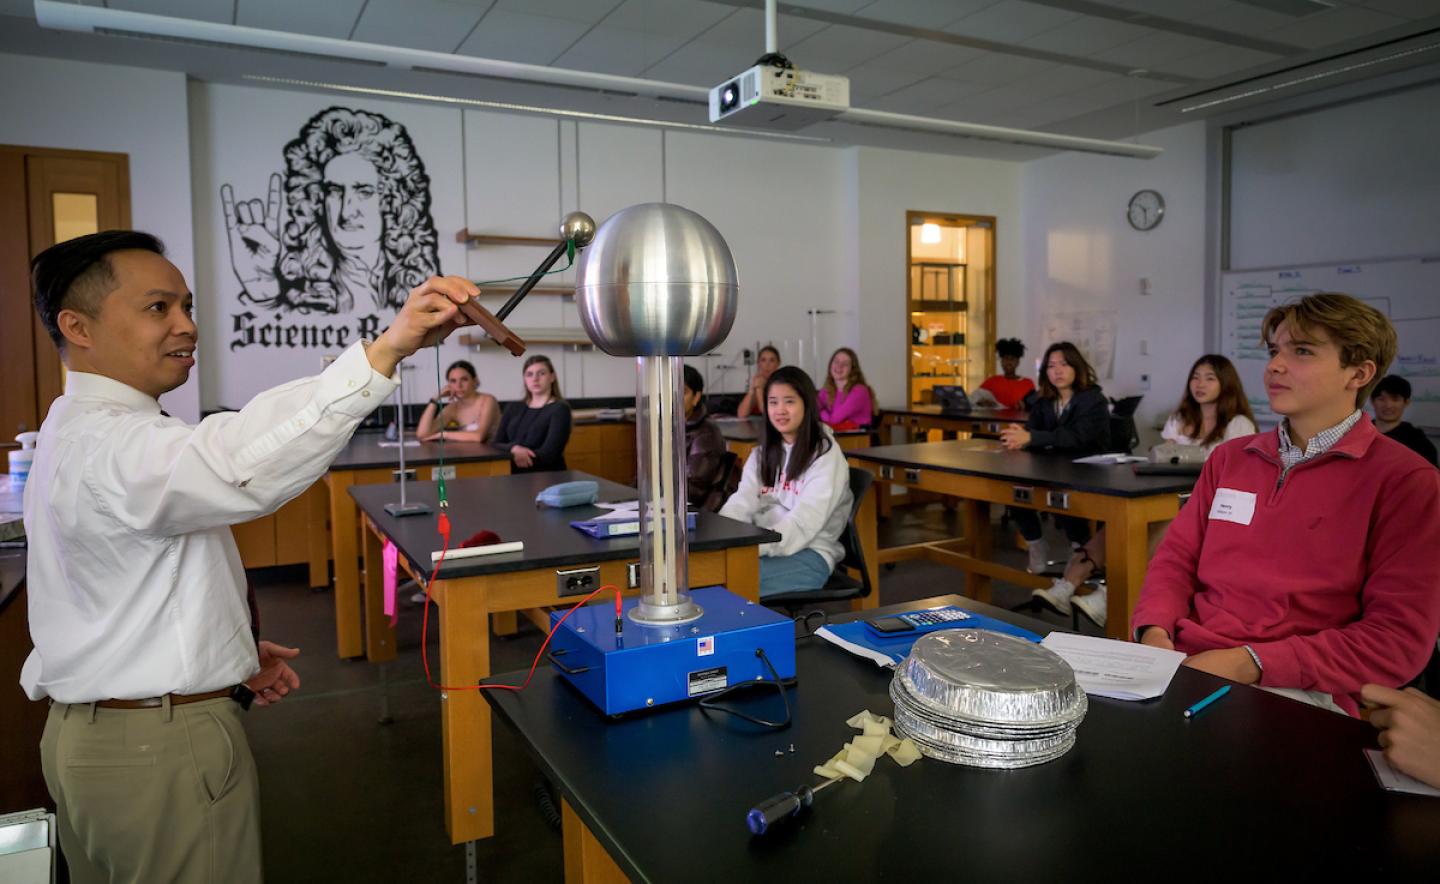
(576, 581)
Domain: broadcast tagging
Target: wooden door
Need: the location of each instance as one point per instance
(53, 196)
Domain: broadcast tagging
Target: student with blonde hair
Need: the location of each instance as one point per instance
(1307, 560)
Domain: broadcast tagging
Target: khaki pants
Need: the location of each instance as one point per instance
(154, 795)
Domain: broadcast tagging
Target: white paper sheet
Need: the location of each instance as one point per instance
(1121, 670)
(1393, 780)
(1110, 459)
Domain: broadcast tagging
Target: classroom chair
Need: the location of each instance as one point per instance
(841, 586)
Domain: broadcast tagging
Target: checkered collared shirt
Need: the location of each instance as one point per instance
(1291, 454)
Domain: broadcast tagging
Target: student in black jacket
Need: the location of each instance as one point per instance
(1070, 416)
(1390, 398)
(535, 429)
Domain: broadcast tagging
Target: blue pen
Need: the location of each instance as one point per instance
(1191, 712)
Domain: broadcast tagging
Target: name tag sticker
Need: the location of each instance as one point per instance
(1231, 505)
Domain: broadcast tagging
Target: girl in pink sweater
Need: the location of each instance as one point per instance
(846, 402)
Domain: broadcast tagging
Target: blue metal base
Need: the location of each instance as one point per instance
(647, 666)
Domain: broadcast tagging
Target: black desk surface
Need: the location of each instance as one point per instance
(1003, 415)
(752, 429)
(506, 505)
(970, 457)
(1258, 784)
(364, 452)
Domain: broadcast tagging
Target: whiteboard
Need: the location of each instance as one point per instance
(1406, 291)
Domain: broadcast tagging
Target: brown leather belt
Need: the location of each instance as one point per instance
(157, 702)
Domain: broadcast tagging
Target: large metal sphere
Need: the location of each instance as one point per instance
(579, 227)
(658, 280)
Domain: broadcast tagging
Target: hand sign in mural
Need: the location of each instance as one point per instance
(346, 229)
(254, 233)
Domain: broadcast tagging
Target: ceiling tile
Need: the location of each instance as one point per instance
(438, 25)
(1239, 18)
(843, 7)
(516, 36)
(1412, 9)
(1180, 10)
(918, 58)
(608, 50)
(221, 11)
(840, 47)
(1154, 50)
(745, 32)
(922, 13)
(332, 19)
(698, 64)
(588, 11)
(1011, 21)
(1335, 26)
(1218, 62)
(1124, 90)
(924, 97)
(1087, 36)
(996, 69)
(676, 18)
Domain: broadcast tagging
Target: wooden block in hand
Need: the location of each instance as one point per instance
(493, 327)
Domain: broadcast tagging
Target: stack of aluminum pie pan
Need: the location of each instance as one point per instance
(981, 698)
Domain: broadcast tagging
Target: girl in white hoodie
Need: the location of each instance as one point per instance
(797, 484)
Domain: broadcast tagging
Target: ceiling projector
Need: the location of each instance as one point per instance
(773, 97)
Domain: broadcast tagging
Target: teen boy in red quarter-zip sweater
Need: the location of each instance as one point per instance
(1308, 557)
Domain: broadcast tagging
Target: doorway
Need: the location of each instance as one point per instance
(52, 195)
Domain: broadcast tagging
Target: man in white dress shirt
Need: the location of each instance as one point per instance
(137, 596)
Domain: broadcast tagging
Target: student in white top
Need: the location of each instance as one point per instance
(796, 483)
(460, 412)
(1212, 410)
(138, 616)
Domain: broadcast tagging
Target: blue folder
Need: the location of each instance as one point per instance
(898, 647)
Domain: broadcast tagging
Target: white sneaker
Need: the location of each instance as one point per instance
(1093, 605)
(1057, 596)
(1039, 552)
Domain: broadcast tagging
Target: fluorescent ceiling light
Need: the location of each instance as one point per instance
(116, 22)
(1306, 78)
(930, 234)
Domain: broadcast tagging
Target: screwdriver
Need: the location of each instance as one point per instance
(778, 807)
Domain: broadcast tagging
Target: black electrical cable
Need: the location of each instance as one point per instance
(710, 703)
(804, 620)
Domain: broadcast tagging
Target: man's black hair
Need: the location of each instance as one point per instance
(76, 274)
(694, 380)
(1394, 385)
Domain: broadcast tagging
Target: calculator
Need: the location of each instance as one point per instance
(915, 622)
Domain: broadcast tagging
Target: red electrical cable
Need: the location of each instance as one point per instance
(443, 525)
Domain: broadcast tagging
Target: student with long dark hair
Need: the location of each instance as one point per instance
(796, 483)
(460, 412)
(1214, 409)
(535, 429)
(1070, 417)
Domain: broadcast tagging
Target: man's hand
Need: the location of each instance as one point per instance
(1014, 437)
(1409, 724)
(430, 314)
(1154, 635)
(1232, 663)
(275, 678)
(524, 457)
